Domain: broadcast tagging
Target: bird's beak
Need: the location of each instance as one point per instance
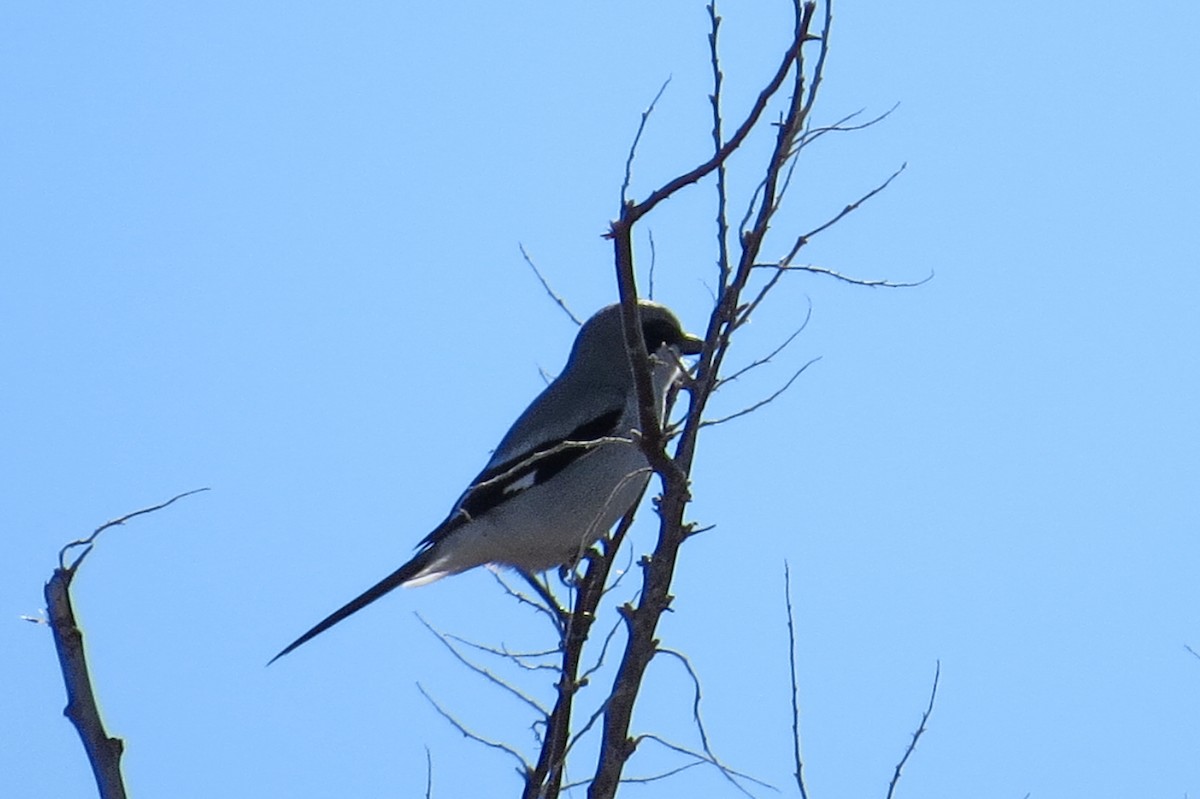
(691, 345)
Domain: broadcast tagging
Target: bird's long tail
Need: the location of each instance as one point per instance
(397, 578)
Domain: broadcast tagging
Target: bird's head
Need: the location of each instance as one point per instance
(599, 349)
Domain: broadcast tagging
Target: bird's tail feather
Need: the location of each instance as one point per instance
(404, 574)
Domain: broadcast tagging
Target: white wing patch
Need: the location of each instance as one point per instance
(521, 483)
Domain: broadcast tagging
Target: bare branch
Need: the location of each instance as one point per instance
(612, 632)
(702, 757)
(103, 751)
(524, 600)
(591, 722)
(854, 206)
(543, 590)
(637, 138)
(503, 747)
(791, 618)
(762, 402)
(91, 539)
(710, 755)
(428, 774)
(517, 658)
(554, 295)
(620, 578)
(545, 781)
(718, 142)
(857, 281)
(645, 780)
(819, 70)
(916, 735)
(1193, 651)
(662, 775)
(616, 746)
(735, 141)
(480, 670)
(769, 356)
(812, 134)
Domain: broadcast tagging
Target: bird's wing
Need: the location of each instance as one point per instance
(530, 453)
(546, 439)
(561, 409)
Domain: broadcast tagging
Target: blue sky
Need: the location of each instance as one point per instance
(273, 249)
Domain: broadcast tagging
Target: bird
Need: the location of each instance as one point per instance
(564, 473)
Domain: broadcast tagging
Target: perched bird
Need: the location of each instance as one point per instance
(565, 472)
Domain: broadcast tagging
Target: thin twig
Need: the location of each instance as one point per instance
(591, 722)
(726, 770)
(612, 632)
(718, 142)
(503, 747)
(428, 773)
(791, 618)
(91, 539)
(518, 658)
(819, 70)
(757, 362)
(543, 590)
(735, 141)
(810, 135)
(642, 780)
(637, 138)
(857, 281)
(762, 402)
(916, 735)
(696, 696)
(849, 209)
(525, 600)
(480, 670)
(103, 751)
(554, 295)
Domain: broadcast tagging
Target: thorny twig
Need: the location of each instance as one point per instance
(467, 733)
(919, 732)
(762, 402)
(480, 670)
(554, 295)
(637, 137)
(711, 756)
(791, 619)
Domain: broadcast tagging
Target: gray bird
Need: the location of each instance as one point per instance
(565, 472)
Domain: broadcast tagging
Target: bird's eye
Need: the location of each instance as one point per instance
(658, 332)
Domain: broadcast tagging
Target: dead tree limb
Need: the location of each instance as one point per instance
(103, 750)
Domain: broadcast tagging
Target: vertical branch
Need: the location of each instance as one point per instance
(724, 319)
(819, 69)
(103, 751)
(718, 142)
(937, 674)
(652, 437)
(796, 751)
(658, 570)
(545, 781)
